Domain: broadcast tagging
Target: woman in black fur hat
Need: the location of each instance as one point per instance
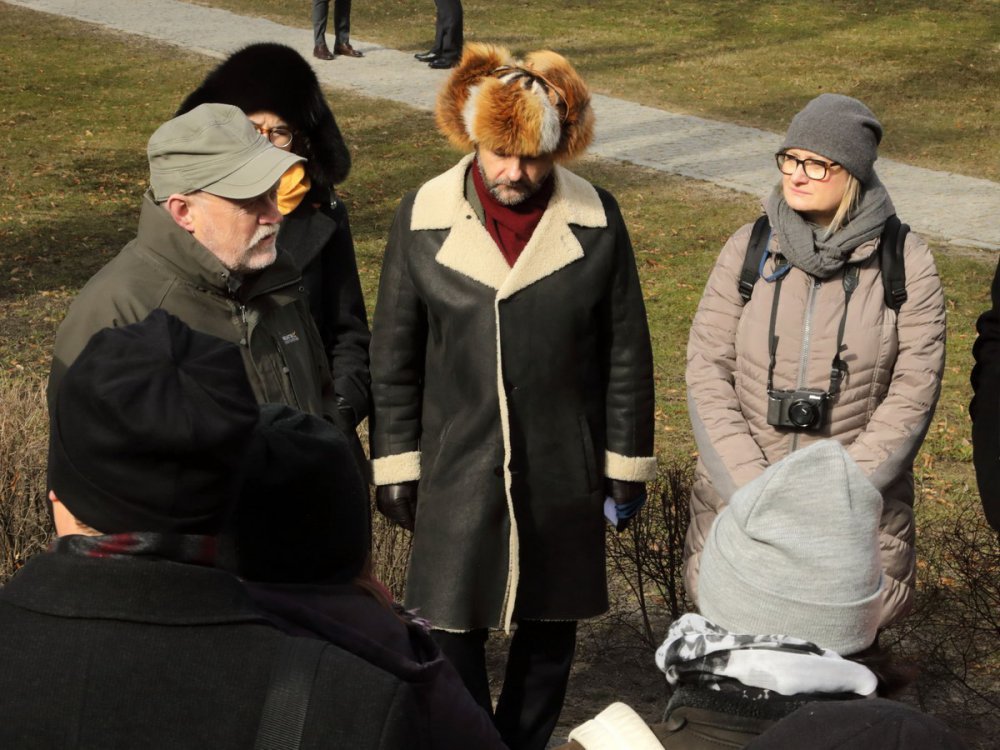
(279, 92)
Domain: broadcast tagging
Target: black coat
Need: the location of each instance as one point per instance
(876, 724)
(319, 240)
(985, 407)
(352, 618)
(511, 393)
(116, 653)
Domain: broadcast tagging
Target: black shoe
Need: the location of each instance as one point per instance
(442, 63)
(426, 56)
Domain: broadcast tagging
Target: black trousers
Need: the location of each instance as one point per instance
(341, 21)
(534, 684)
(448, 37)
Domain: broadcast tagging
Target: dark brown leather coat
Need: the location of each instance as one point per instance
(510, 393)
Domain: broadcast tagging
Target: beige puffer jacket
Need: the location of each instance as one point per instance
(894, 366)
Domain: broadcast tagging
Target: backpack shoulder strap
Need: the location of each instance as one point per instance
(892, 263)
(751, 261)
(292, 673)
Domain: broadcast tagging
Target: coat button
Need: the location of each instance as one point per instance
(498, 471)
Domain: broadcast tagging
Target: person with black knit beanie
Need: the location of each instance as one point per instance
(126, 632)
(299, 538)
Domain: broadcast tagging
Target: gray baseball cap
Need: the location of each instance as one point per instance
(214, 148)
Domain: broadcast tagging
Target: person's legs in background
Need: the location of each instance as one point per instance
(534, 686)
(342, 27)
(320, 11)
(467, 653)
(448, 35)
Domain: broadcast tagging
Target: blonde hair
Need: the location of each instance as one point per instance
(849, 202)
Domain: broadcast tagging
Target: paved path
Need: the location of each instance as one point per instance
(961, 210)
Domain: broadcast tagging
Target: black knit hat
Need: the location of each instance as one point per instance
(149, 429)
(303, 514)
(275, 78)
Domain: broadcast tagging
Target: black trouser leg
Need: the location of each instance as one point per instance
(448, 35)
(534, 686)
(467, 653)
(342, 20)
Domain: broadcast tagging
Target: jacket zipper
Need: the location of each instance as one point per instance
(806, 343)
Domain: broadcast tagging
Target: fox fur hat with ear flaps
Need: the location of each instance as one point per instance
(275, 78)
(538, 106)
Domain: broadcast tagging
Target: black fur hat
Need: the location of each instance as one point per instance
(276, 78)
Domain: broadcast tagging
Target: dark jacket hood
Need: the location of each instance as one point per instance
(276, 78)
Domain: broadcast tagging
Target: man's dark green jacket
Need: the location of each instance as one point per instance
(265, 313)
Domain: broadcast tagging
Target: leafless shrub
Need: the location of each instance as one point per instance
(25, 527)
(954, 633)
(390, 554)
(646, 560)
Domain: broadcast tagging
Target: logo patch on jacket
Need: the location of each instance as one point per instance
(289, 338)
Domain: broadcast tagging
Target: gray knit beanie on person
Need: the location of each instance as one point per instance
(796, 553)
(840, 128)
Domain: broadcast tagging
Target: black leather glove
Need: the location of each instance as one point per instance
(345, 418)
(398, 503)
(629, 498)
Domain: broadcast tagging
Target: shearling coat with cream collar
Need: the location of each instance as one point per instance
(894, 367)
(510, 394)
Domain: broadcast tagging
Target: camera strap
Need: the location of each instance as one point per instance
(837, 367)
(772, 340)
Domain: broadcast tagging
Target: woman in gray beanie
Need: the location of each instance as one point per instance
(810, 345)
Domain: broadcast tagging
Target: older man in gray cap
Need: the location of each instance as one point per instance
(205, 251)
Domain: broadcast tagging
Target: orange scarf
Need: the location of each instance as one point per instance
(292, 189)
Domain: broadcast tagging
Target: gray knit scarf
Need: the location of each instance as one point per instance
(802, 242)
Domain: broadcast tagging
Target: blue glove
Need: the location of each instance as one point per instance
(628, 499)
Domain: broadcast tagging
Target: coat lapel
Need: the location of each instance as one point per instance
(469, 249)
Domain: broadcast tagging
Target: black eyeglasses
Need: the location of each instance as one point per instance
(280, 136)
(814, 168)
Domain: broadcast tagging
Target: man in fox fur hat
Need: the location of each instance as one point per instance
(512, 382)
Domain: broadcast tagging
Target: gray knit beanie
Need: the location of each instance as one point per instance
(840, 128)
(796, 553)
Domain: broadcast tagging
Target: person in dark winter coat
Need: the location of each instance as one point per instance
(791, 585)
(985, 407)
(124, 633)
(512, 382)
(300, 533)
(278, 90)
